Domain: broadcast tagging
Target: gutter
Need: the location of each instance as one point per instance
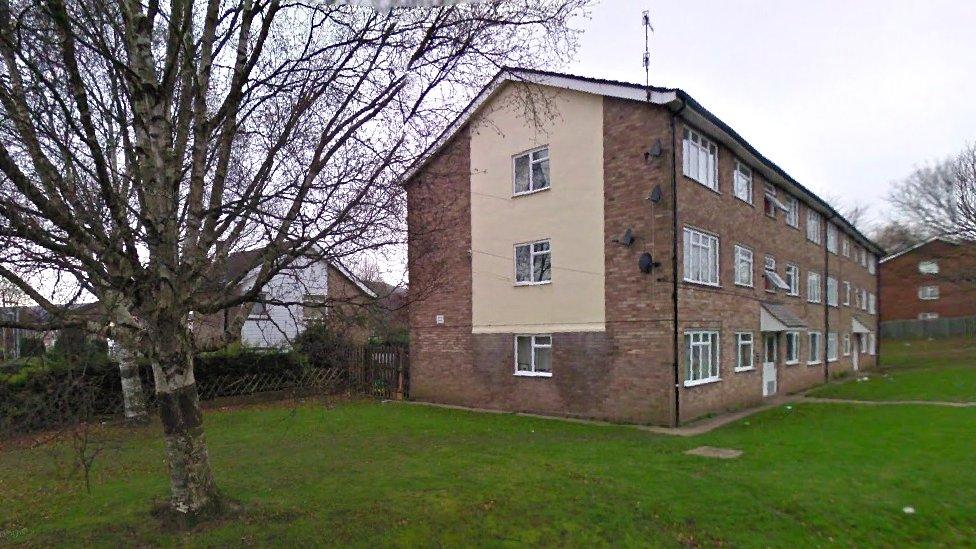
(826, 302)
(674, 262)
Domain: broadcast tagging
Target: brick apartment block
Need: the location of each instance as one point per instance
(929, 281)
(531, 297)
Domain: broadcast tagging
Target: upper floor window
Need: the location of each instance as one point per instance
(531, 171)
(845, 245)
(793, 279)
(533, 263)
(862, 255)
(814, 290)
(831, 238)
(701, 357)
(928, 292)
(847, 293)
(872, 263)
(832, 291)
(742, 182)
(770, 201)
(773, 280)
(743, 266)
(928, 267)
(259, 310)
(314, 307)
(792, 212)
(701, 257)
(700, 158)
(872, 304)
(813, 227)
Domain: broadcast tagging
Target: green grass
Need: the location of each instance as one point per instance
(369, 474)
(915, 370)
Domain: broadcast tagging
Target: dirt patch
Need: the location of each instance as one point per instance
(713, 452)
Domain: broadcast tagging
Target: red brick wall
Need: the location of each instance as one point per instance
(900, 281)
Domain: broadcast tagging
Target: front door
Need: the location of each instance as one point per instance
(769, 364)
(856, 351)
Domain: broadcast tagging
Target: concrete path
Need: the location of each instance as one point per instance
(884, 402)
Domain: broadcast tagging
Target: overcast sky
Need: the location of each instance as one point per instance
(846, 96)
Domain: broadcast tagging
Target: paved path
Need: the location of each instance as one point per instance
(884, 402)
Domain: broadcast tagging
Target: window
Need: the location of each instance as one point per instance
(260, 310)
(928, 292)
(813, 287)
(744, 351)
(872, 344)
(864, 299)
(792, 212)
(531, 171)
(847, 344)
(769, 200)
(831, 346)
(792, 347)
(533, 264)
(928, 316)
(793, 279)
(742, 182)
(872, 263)
(813, 227)
(313, 307)
(700, 158)
(815, 341)
(847, 293)
(857, 298)
(533, 355)
(928, 267)
(831, 291)
(701, 257)
(832, 238)
(743, 266)
(845, 245)
(872, 303)
(773, 280)
(701, 357)
(863, 256)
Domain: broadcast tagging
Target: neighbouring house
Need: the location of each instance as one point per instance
(630, 258)
(310, 291)
(932, 280)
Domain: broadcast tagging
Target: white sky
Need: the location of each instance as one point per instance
(846, 96)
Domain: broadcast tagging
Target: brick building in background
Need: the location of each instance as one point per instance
(930, 281)
(625, 256)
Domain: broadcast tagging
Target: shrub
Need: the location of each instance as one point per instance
(238, 360)
(32, 346)
(323, 347)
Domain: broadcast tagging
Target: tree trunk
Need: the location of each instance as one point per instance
(193, 492)
(133, 397)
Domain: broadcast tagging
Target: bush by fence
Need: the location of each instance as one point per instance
(937, 328)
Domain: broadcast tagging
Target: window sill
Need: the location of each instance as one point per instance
(533, 283)
(533, 374)
(703, 184)
(703, 284)
(705, 381)
(738, 284)
(791, 362)
(740, 370)
(744, 201)
(814, 363)
(526, 193)
(832, 360)
(797, 227)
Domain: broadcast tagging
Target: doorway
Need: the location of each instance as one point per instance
(769, 364)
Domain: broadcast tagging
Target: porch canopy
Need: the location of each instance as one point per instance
(777, 317)
(858, 328)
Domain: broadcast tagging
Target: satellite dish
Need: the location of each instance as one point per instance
(645, 263)
(628, 238)
(656, 149)
(656, 194)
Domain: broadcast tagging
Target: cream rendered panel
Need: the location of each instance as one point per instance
(569, 213)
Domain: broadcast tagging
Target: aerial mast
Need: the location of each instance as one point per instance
(648, 29)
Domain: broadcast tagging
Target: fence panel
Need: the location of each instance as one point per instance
(938, 328)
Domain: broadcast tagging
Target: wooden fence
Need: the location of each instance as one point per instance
(937, 328)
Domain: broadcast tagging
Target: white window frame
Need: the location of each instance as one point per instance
(743, 339)
(814, 287)
(864, 300)
(928, 316)
(872, 344)
(705, 340)
(694, 140)
(531, 154)
(847, 344)
(793, 358)
(832, 291)
(814, 222)
(832, 235)
(708, 242)
(872, 263)
(533, 345)
(259, 309)
(928, 293)
(847, 293)
(793, 279)
(928, 266)
(745, 255)
(532, 255)
(815, 350)
(845, 245)
(833, 344)
(742, 182)
(872, 303)
(793, 214)
(863, 256)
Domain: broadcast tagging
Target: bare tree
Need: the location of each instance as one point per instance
(940, 199)
(856, 213)
(895, 236)
(143, 143)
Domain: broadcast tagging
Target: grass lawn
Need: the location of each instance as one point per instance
(368, 474)
(916, 370)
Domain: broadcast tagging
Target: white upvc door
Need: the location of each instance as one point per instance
(769, 364)
(856, 351)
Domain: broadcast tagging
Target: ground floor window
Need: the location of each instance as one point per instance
(815, 341)
(744, 351)
(872, 344)
(792, 347)
(701, 357)
(847, 344)
(533, 355)
(832, 346)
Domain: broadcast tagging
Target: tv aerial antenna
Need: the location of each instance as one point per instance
(648, 29)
